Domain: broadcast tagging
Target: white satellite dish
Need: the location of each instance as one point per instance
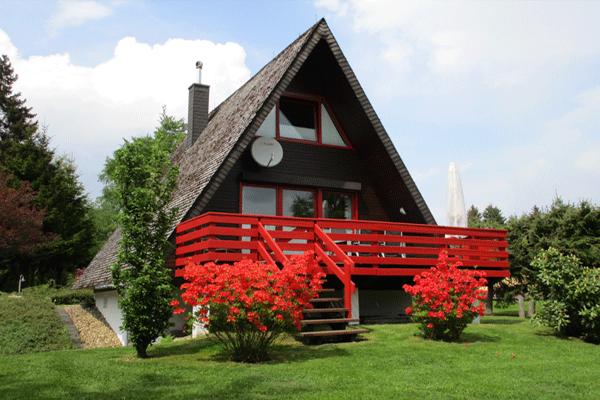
(266, 151)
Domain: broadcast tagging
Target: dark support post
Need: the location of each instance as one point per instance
(489, 304)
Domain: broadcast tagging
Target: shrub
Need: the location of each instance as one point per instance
(30, 324)
(444, 299)
(568, 295)
(68, 296)
(247, 305)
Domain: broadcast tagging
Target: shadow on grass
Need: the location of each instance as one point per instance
(472, 337)
(288, 350)
(502, 320)
(296, 351)
(180, 348)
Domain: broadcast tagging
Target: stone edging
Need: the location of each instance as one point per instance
(68, 323)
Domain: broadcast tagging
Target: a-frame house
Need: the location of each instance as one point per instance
(297, 159)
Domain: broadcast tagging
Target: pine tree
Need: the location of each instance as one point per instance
(26, 154)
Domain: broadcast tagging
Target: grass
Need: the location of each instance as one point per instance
(390, 362)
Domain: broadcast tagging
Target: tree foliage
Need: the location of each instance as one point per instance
(143, 180)
(490, 218)
(106, 208)
(16, 123)
(569, 228)
(20, 222)
(568, 295)
(25, 153)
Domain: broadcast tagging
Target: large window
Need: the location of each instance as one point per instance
(305, 120)
(289, 202)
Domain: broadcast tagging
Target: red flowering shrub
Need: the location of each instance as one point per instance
(444, 299)
(247, 305)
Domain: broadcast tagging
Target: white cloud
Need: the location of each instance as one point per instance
(6, 46)
(75, 13)
(463, 167)
(90, 109)
(421, 176)
(505, 44)
(589, 161)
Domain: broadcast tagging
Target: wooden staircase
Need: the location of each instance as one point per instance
(328, 321)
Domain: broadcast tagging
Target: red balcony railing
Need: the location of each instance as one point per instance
(345, 247)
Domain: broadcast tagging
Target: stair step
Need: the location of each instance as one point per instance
(323, 310)
(327, 290)
(329, 321)
(334, 333)
(325, 299)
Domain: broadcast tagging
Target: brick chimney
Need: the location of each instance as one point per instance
(197, 108)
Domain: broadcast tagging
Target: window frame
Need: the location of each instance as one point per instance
(316, 102)
(318, 198)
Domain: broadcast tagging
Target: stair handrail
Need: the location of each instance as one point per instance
(262, 232)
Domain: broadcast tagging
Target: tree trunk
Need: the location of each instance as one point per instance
(141, 350)
(521, 300)
(531, 310)
(489, 303)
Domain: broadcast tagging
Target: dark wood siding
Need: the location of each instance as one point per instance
(307, 160)
(383, 190)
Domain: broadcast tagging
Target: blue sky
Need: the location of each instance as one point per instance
(509, 91)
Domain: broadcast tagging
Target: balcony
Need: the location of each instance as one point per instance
(345, 247)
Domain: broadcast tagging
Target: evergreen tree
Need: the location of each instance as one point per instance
(569, 228)
(491, 218)
(25, 153)
(474, 217)
(16, 120)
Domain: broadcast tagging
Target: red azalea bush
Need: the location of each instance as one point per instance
(444, 299)
(247, 305)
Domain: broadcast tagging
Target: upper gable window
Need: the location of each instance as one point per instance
(303, 120)
(297, 120)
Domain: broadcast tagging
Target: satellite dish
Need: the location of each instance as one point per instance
(266, 151)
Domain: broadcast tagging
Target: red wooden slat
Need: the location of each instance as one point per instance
(279, 256)
(215, 244)
(216, 231)
(484, 248)
(264, 253)
(410, 228)
(290, 235)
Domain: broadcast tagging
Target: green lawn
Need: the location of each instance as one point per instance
(389, 363)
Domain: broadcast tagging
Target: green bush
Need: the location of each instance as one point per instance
(30, 324)
(68, 296)
(568, 295)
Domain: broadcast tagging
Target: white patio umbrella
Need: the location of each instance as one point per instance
(455, 200)
(456, 212)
